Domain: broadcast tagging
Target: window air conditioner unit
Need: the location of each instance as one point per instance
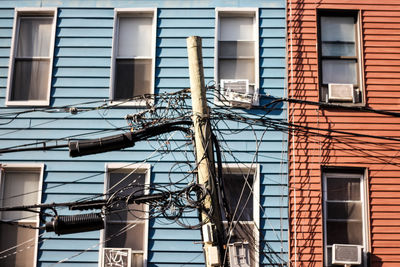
(238, 92)
(340, 92)
(239, 254)
(346, 254)
(117, 257)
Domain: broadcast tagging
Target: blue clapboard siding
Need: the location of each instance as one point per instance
(81, 76)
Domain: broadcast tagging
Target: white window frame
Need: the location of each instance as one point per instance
(363, 196)
(252, 169)
(143, 168)
(33, 167)
(25, 12)
(131, 12)
(239, 12)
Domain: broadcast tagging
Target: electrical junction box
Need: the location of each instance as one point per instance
(239, 254)
(213, 256)
(208, 230)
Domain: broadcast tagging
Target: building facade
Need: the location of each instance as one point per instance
(343, 63)
(75, 69)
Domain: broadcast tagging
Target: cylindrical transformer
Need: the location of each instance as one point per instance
(69, 224)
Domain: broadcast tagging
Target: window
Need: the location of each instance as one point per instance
(339, 57)
(236, 54)
(19, 185)
(344, 211)
(133, 55)
(126, 225)
(241, 190)
(29, 79)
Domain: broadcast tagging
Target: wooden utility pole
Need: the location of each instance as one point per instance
(212, 232)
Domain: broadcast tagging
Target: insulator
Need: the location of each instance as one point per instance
(69, 224)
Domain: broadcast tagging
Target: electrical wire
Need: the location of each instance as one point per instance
(221, 115)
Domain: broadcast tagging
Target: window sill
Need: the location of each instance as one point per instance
(334, 105)
(132, 103)
(232, 104)
(29, 103)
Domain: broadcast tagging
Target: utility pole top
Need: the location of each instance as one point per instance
(196, 73)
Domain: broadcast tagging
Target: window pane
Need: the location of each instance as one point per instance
(121, 180)
(133, 78)
(343, 189)
(20, 184)
(34, 37)
(339, 71)
(133, 238)
(232, 49)
(236, 28)
(133, 185)
(345, 210)
(344, 233)
(122, 212)
(12, 235)
(338, 29)
(134, 38)
(338, 49)
(30, 81)
(233, 185)
(236, 69)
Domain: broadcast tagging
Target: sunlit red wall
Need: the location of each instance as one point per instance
(308, 152)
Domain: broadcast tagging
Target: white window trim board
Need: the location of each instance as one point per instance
(17, 14)
(255, 170)
(364, 201)
(144, 168)
(360, 58)
(244, 11)
(128, 11)
(26, 166)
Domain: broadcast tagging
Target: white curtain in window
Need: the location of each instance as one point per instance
(31, 79)
(34, 37)
(20, 188)
(32, 61)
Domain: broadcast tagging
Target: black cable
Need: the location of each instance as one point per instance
(21, 225)
(339, 106)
